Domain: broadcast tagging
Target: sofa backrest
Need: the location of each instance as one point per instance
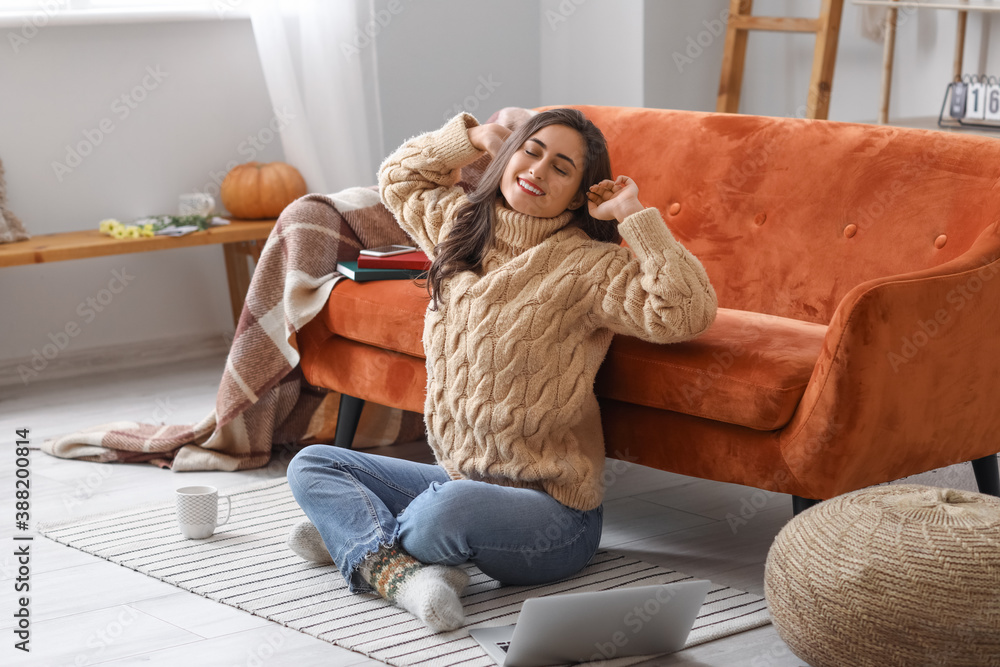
(787, 215)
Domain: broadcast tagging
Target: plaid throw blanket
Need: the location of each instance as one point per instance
(263, 398)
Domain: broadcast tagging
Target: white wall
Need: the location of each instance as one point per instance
(778, 65)
(683, 52)
(591, 52)
(439, 57)
(194, 95)
(681, 46)
(435, 57)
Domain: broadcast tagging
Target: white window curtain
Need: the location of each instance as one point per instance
(321, 73)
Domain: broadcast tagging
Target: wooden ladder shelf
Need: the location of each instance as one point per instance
(741, 21)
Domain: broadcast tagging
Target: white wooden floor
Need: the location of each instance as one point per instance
(88, 611)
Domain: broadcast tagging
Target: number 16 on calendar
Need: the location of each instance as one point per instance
(983, 99)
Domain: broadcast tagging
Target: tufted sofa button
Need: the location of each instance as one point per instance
(940, 241)
(675, 208)
(850, 230)
(759, 219)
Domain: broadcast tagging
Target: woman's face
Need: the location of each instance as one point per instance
(542, 178)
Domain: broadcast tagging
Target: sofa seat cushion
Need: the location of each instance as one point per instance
(383, 313)
(748, 369)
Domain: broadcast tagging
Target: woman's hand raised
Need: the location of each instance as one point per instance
(613, 200)
(488, 137)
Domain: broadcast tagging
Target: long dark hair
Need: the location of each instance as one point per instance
(471, 237)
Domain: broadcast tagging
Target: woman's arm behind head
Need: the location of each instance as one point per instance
(418, 182)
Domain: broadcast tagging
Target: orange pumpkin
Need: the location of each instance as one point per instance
(256, 190)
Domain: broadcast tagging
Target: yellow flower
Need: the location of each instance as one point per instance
(132, 232)
(118, 232)
(147, 231)
(107, 225)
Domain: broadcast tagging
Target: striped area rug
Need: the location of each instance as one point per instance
(247, 565)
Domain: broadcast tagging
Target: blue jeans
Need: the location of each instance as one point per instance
(360, 502)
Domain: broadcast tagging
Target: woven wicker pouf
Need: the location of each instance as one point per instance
(892, 575)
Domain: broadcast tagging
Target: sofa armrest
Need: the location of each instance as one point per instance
(906, 379)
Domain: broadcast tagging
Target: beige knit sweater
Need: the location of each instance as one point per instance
(512, 354)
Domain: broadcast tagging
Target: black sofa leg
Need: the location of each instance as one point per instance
(348, 416)
(987, 472)
(986, 469)
(800, 504)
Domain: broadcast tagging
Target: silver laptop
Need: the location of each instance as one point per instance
(598, 625)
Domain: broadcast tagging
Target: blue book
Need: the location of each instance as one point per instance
(351, 270)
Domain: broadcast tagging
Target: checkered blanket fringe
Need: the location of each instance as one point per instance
(263, 398)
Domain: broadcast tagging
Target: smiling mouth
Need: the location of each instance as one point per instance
(529, 188)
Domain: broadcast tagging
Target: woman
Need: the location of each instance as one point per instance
(528, 285)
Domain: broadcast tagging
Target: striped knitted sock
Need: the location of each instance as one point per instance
(429, 592)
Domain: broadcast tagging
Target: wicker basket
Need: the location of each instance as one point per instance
(891, 575)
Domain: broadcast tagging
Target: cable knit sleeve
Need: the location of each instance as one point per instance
(418, 181)
(660, 294)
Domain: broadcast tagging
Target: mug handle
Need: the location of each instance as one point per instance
(229, 510)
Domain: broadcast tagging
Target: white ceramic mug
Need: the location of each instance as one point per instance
(198, 511)
(196, 203)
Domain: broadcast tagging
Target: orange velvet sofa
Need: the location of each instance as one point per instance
(858, 337)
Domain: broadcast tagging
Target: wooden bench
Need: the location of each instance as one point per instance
(240, 239)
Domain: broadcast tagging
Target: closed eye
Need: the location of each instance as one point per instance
(556, 168)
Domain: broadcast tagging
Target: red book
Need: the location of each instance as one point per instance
(411, 260)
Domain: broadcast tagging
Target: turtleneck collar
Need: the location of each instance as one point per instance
(516, 232)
